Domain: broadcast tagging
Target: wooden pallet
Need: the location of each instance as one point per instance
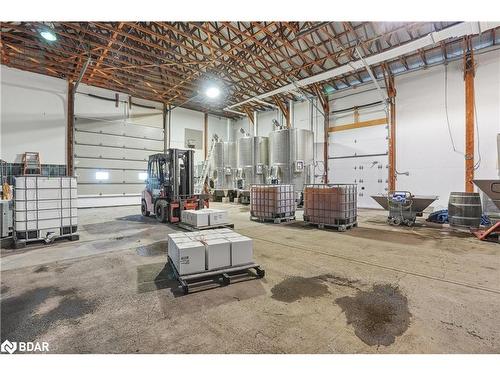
(192, 228)
(21, 243)
(276, 220)
(338, 227)
(221, 277)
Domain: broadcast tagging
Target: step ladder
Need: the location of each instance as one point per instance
(198, 189)
(31, 163)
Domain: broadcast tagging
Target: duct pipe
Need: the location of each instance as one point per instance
(255, 123)
(291, 113)
(229, 130)
(456, 31)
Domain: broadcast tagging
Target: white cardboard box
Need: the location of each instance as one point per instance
(189, 257)
(241, 250)
(217, 252)
(218, 217)
(231, 235)
(196, 218)
(224, 230)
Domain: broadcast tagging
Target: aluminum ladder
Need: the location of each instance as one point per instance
(204, 170)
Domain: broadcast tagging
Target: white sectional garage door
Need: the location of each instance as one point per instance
(111, 159)
(360, 156)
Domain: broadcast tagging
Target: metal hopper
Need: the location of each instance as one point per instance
(491, 188)
(420, 202)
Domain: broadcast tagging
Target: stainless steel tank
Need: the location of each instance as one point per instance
(253, 160)
(291, 156)
(224, 165)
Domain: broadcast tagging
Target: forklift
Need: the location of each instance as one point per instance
(170, 187)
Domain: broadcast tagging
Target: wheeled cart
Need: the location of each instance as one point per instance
(221, 277)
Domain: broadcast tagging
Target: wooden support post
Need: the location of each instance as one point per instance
(70, 131)
(205, 135)
(391, 91)
(283, 110)
(469, 71)
(166, 126)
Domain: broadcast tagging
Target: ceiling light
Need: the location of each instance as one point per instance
(48, 34)
(212, 92)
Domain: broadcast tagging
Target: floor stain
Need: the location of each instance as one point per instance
(471, 332)
(140, 219)
(294, 288)
(392, 236)
(155, 276)
(154, 249)
(378, 315)
(41, 269)
(20, 322)
(113, 226)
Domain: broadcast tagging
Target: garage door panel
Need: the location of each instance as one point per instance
(134, 176)
(118, 141)
(89, 176)
(110, 164)
(368, 140)
(111, 153)
(110, 189)
(119, 128)
(369, 173)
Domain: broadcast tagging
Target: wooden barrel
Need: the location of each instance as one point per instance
(464, 209)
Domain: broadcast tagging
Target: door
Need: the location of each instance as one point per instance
(360, 156)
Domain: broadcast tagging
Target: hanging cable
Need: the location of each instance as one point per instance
(446, 110)
(476, 166)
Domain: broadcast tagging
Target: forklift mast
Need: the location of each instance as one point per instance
(170, 186)
(170, 175)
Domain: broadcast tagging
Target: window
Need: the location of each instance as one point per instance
(101, 175)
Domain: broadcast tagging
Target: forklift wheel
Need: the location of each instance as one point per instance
(144, 209)
(161, 211)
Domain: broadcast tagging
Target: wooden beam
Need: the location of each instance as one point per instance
(469, 120)
(70, 129)
(359, 124)
(105, 51)
(391, 91)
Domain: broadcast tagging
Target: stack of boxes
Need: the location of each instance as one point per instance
(205, 217)
(330, 204)
(272, 201)
(197, 252)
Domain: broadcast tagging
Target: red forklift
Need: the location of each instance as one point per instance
(170, 186)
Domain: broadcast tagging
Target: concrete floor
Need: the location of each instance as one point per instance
(371, 289)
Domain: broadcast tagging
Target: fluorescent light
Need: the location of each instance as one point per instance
(143, 176)
(212, 92)
(101, 175)
(48, 34)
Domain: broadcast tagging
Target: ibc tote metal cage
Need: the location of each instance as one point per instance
(272, 202)
(331, 205)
